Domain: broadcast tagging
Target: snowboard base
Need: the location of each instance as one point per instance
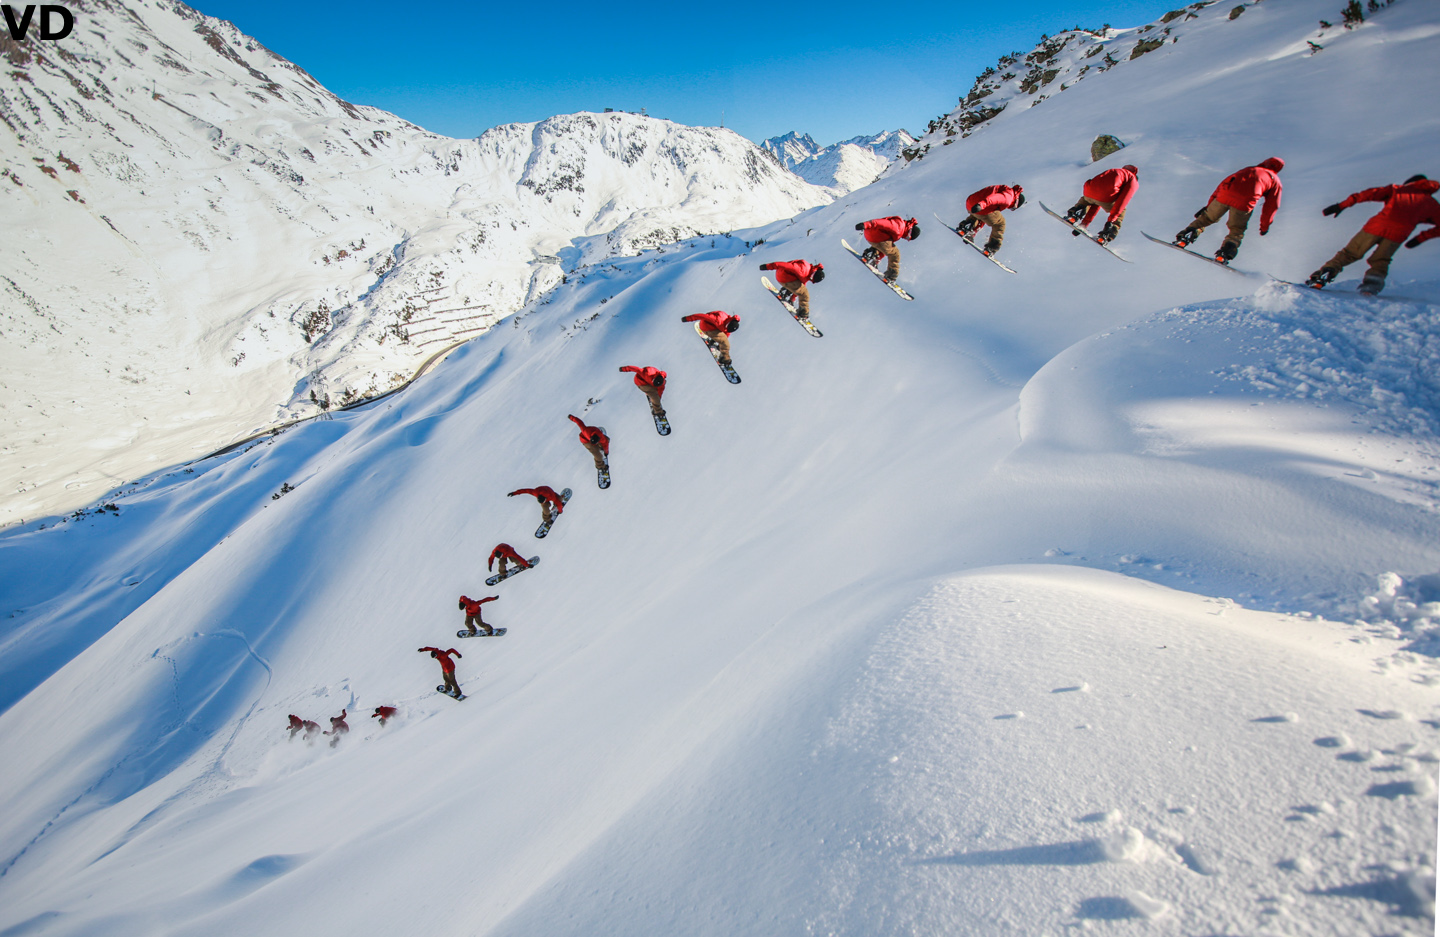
(497, 578)
(444, 692)
(978, 249)
(479, 634)
(1198, 256)
(662, 424)
(1076, 229)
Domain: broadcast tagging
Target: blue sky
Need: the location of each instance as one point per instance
(832, 70)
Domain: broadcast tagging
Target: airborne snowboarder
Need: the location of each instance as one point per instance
(793, 277)
(447, 668)
(651, 382)
(471, 608)
(1238, 194)
(552, 504)
(985, 207)
(1407, 204)
(882, 233)
(596, 443)
(1112, 191)
(715, 328)
(505, 554)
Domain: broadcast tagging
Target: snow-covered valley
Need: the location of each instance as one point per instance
(212, 244)
(1093, 597)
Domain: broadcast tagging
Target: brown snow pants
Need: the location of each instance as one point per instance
(801, 292)
(719, 338)
(450, 682)
(653, 395)
(892, 258)
(1086, 202)
(472, 620)
(599, 454)
(1239, 221)
(996, 221)
(1362, 241)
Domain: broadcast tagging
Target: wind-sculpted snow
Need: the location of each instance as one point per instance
(215, 244)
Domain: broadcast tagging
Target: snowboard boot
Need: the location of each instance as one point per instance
(871, 255)
(1075, 214)
(1227, 252)
(890, 276)
(1371, 285)
(1186, 238)
(992, 247)
(1108, 233)
(1322, 278)
(785, 295)
(967, 228)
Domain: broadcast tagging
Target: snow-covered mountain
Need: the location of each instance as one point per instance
(209, 242)
(842, 167)
(1097, 598)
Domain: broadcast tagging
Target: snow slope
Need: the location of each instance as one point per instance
(209, 242)
(1041, 602)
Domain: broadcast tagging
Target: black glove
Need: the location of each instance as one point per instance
(1335, 210)
(860, 226)
(764, 266)
(1413, 242)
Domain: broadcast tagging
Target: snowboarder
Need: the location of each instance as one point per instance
(985, 207)
(338, 727)
(651, 382)
(1407, 204)
(447, 667)
(1112, 191)
(793, 277)
(715, 327)
(296, 724)
(505, 553)
(1238, 194)
(382, 713)
(551, 504)
(471, 607)
(596, 443)
(882, 233)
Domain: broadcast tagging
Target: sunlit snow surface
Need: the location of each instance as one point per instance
(1027, 606)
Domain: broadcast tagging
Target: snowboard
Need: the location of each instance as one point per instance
(899, 291)
(1209, 260)
(805, 321)
(444, 692)
(727, 369)
(479, 634)
(662, 423)
(978, 249)
(602, 476)
(544, 527)
(497, 578)
(1076, 229)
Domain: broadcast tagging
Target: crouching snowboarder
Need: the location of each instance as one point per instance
(1111, 191)
(985, 207)
(383, 713)
(1238, 194)
(793, 277)
(596, 443)
(338, 727)
(715, 328)
(505, 553)
(471, 607)
(882, 233)
(552, 505)
(1407, 205)
(447, 668)
(651, 382)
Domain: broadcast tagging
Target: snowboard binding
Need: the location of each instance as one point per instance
(1186, 238)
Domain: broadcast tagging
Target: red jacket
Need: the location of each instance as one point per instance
(645, 377)
(993, 198)
(592, 434)
(1406, 205)
(544, 493)
(1112, 185)
(338, 725)
(446, 664)
(507, 551)
(1244, 189)
(793, 271)
(383, 712)
(893, 228)
(711, 321)
(472, 606)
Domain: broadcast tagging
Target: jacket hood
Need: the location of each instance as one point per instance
(1133, 170)
(1274, 164)
(1425, 186)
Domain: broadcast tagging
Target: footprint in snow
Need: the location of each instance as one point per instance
(1283, 717)
(1383, 713)
(1014, 715)
(1333, 741)
(1082, 688)
(1358, 757)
